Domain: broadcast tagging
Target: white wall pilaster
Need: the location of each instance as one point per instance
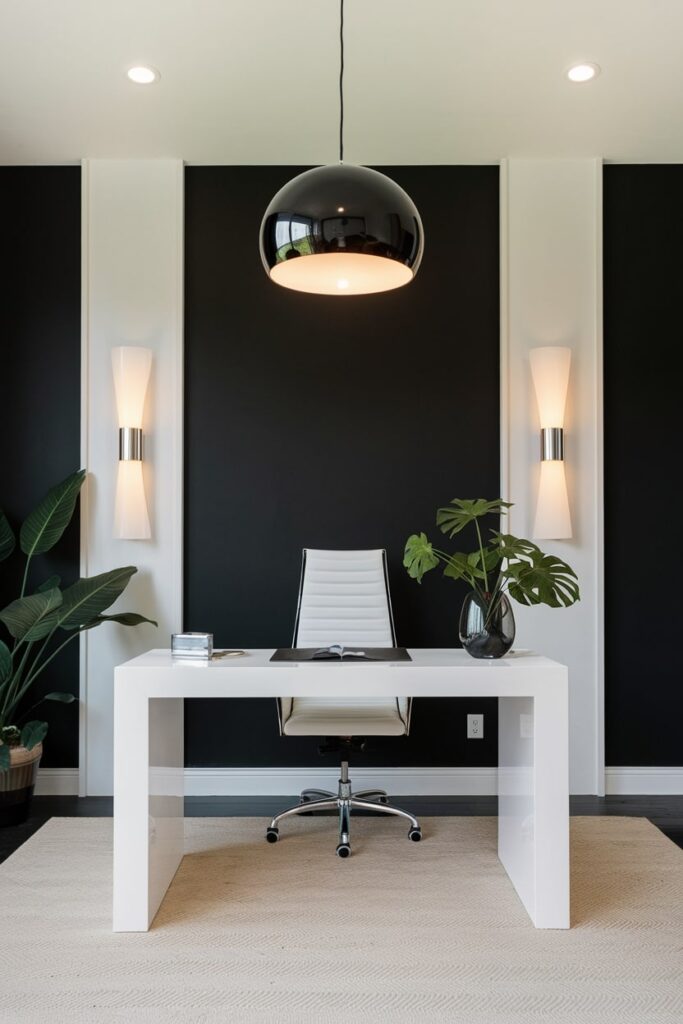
(551, 291)
(132, 288)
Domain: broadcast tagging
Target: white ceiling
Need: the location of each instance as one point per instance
(255, 81)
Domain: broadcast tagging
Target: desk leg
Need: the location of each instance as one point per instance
(533, 803)
(148, 805)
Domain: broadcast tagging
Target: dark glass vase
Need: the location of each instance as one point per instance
(485, 633)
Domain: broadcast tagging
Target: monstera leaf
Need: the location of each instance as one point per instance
(511, 547)
(491, 558)
(463, 567)
(542, 579)
(7, 540)
(463, 511)
(49, 520)
(30, 618)
(419, 556)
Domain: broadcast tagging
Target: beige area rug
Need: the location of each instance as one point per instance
(401, 932)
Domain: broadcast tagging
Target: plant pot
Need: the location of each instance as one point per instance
(17, 784)
(486, 634)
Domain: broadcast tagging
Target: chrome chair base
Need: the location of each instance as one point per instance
(344, 801)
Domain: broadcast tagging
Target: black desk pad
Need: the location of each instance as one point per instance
(370, 654)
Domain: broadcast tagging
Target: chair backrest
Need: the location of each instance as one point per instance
(344, 599)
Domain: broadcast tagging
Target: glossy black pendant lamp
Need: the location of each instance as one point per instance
(341, 230)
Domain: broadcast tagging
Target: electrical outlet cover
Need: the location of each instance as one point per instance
(475, 727)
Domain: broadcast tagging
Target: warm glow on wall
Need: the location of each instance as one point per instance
(553, 520)
(550, 371)
(131, 366)
(131, 519)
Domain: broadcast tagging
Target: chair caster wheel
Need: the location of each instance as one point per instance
(343, 850)
(383, 800)
(415, 834)
(272, 835)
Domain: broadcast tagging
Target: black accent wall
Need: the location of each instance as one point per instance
(40, 312)
(643, 246)
(332, 422)
(323, 422)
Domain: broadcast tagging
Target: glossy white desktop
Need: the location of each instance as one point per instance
(533, 801)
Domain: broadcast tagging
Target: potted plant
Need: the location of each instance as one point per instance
(39, 624)
(499, 567)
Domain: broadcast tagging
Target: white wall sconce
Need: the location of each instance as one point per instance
(131, 366)
(550, 372)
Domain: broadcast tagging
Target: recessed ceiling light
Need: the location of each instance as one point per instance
(583, 72)
(143, 75)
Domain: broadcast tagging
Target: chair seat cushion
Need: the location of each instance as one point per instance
(314, 716)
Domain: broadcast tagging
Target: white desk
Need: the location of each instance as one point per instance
(533, 808)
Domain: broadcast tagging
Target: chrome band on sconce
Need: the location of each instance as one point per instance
(130, 444)
(552, 444)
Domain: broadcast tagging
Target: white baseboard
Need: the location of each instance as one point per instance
(57, 782)
(619, 781)
(289, 781)
(643, 781)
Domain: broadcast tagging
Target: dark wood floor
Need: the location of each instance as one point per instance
(666, 812)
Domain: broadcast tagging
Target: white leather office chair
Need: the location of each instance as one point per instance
(344, 599)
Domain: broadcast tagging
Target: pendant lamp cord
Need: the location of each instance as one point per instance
(341, 81)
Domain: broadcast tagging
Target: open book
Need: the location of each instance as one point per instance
(337, 651)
